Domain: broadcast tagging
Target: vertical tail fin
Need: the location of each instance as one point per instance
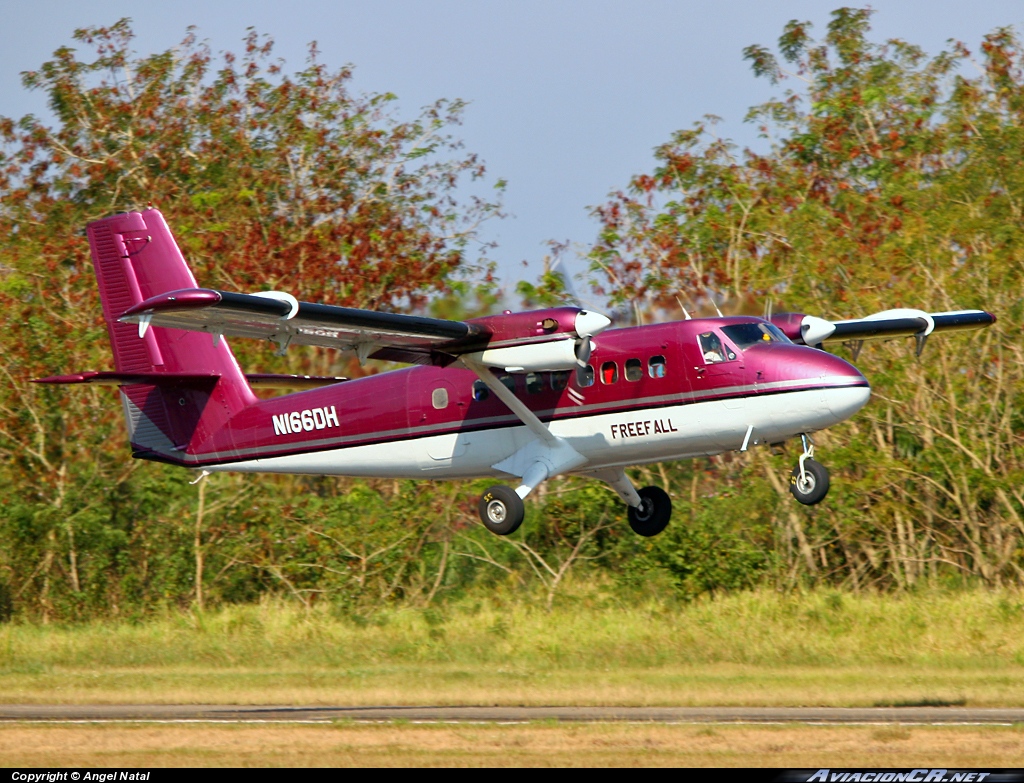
(136, 257)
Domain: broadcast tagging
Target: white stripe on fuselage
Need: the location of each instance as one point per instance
(607, 440)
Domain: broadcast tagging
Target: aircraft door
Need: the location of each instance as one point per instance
(719, 370)
(441, 413)
(717, 375)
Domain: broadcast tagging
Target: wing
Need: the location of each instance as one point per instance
(551, 339)
(810, 330)
(283, 319)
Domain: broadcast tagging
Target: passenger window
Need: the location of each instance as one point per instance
(560, 379)
(440, 398)
(585, 376)
(712, 350)
(509, 382)
(480, 391)
(634, 370)
(656, 367)
(534, 383)
(609, 372)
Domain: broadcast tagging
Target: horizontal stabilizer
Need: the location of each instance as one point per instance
(128, 378)
(256, 380)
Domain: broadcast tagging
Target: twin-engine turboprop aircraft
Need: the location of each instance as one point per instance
(527, 395)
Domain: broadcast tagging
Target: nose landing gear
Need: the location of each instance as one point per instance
(809, 482)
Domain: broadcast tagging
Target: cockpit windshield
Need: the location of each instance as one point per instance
(746, 335)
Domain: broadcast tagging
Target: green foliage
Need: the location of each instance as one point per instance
(892, 179)
(722, 549)
(270, 179)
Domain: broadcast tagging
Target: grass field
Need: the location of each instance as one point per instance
(564, 745)
(815, 649)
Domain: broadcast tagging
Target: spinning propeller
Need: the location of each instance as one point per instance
(588, 322)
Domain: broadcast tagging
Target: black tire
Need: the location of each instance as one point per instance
(654, 513)
(501, 510)
(814, 487)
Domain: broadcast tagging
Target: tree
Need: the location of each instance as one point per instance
(891, 180)
(269, 179)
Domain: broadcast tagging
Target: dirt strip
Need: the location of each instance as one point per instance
(313, 714)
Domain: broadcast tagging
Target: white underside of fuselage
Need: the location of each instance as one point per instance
(606, 440)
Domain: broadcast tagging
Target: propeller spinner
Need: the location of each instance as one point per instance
(588, 323)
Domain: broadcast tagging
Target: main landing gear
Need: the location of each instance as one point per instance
(809, 482)
(501, 508)
(652, 515)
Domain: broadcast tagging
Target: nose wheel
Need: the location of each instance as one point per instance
(809, 482)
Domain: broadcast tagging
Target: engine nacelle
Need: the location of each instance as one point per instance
(546, 356)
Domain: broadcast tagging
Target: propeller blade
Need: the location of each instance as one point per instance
(584, 347)
(560, 268)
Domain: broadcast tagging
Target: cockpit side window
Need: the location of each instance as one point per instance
(712, 350)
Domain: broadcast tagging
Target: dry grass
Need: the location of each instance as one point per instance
(438, 684)
(564, 745)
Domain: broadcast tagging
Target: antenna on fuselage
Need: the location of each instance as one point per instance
(685, 313)
(714, 304)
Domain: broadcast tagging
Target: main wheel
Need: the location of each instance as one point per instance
(653, 514)
(813, 486)
(501, 510)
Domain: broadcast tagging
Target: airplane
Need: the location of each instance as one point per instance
(518, 395)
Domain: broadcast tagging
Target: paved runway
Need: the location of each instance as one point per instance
(286, 714)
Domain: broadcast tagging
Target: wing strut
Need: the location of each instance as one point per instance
(545, 456)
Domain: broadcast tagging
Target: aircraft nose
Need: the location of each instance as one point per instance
(848, 390)
(834, 367)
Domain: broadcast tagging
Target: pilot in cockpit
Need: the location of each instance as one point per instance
(711, 347)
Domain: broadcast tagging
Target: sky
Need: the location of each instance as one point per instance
(568, 98)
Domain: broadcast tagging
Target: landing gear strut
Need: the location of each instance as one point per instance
(650, 508)
(809, 482)
(501, 510)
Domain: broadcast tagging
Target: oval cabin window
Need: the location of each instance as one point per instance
(440, 398)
